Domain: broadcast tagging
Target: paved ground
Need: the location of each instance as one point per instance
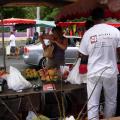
(17, 38)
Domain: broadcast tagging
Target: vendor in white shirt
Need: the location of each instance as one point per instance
(12, 43)
(100, 43)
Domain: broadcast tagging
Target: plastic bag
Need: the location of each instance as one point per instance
(64, 70)
(31, 115)
(8, 50)
(16, 81)
(70, 118)
(48, 51)
(74, 75)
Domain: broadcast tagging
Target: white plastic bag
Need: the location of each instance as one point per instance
(70, 118)
(74, 75)
(8, 50)
(16, 81)
(63, 69)
(31, 115)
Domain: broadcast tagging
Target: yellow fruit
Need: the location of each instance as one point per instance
(43, 78)
(47, 78)
(51, 72)
(51, 77)
(46, 73)
(55, 77)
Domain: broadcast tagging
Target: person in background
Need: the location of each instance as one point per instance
(12, 43)
(100, 43)
(35, 37)
(60, 44)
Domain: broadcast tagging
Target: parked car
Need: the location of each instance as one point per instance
(33, 54)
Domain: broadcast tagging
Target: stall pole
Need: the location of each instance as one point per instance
(3, 43)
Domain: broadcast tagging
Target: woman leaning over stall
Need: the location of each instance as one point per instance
(60, 44)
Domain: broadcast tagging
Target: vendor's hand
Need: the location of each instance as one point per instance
(55, 41)
(51, 37)
(41, 37)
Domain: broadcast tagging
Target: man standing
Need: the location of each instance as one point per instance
(100, 43)
(12, 44)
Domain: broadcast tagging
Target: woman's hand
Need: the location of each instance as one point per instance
(41, 37)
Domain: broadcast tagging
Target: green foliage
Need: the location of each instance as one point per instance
(16, 12)
(81, 19)
(30, 12)
(20, 12)
(46, 13)
(49, 13)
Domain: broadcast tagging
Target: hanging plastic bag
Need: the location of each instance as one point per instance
(7, 50)
(64, 70)
(48, 51)
(74, 75)
(16, 81)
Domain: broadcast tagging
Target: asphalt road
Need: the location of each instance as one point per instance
(17, 63)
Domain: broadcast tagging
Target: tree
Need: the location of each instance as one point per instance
(30, 12)
(15, 12)
(48, 13)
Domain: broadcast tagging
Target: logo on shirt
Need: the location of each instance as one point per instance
(93, 39)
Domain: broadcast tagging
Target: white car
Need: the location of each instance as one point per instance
(33, 54)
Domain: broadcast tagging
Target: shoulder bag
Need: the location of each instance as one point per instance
(48, 51)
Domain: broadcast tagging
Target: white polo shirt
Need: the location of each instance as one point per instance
(12, 40)
(100, 43)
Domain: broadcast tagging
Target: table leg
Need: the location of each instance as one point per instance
(28, 97)
(13, 114)
(43, 101)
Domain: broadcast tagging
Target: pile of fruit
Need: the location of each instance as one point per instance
(51, 74)
(47, 75)
(30, 74)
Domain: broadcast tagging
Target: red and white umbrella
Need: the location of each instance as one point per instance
(13, 21)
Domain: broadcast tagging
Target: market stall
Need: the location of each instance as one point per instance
(46, 77)
(81, 9)
(78, 28)
(39, 90)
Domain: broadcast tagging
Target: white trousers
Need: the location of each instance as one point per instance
(110, 93)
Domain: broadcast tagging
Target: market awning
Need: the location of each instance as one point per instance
(44, 23)
(83, 8)
(38, 23)
(66, 24)
(82, 24)
(21, 24)
(50, 3)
